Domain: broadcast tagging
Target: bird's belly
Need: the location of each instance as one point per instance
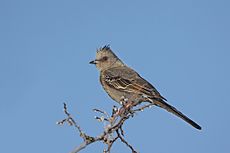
(114, 94)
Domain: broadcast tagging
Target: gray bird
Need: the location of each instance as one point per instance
(124, 84)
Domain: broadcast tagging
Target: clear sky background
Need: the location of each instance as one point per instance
(182, 47)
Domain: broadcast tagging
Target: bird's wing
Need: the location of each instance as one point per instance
(127, 80)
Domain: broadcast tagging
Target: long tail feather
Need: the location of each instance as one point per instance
(161, 103)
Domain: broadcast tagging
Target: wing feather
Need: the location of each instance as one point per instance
(130, 81)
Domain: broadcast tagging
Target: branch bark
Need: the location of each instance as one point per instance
(112, 130)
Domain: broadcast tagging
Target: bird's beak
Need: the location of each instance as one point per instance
(93, 62)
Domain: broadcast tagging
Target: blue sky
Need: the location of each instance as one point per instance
(181, 47)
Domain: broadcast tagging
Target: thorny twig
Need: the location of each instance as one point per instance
(113, 127)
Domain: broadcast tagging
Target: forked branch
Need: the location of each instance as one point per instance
(112, 130)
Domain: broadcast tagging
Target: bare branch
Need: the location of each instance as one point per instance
(125, 142)
(143, 107)
(112, 127)
(80, 147)
(101, 111)
(69, 120)
(110, 145)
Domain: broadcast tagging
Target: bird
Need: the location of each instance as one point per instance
(122, 84)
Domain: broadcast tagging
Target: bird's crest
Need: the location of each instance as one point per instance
(106, 47)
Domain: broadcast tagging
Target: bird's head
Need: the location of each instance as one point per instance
(105, 59)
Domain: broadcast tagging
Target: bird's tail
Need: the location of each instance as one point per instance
(161, 103)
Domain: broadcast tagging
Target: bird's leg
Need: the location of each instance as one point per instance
(124, 110)
(126, 105)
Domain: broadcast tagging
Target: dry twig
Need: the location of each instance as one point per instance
(112, 128)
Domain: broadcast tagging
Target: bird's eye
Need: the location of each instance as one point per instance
(105, 58)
